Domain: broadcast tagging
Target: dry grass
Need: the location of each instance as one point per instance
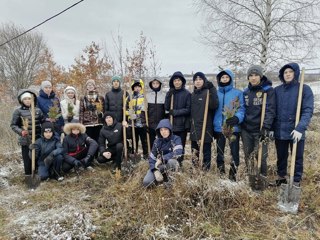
(97, 205)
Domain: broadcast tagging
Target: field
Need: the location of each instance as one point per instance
(98, 205)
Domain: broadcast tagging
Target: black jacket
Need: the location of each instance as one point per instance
(253, 96)
(45, 147)
(198, 101)
(110, 136)
(114, 102)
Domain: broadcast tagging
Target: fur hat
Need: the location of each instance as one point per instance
(46, 127)
(45, 83)
(25, 95)
(69, 126)
(255, 69)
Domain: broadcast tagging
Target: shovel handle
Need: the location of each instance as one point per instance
(203, 133)
(263, 113)
(33, 136)
(171, 108)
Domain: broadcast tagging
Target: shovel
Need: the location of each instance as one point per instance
(204, 126)
(33, 180)
(289, 196)
(258, 181)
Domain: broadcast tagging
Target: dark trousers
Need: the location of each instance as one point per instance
(282, 147)
(52, 171)
(66, 167)
(183, 136)
(152, 135)
(94, 132)
(250, 147)
(206, 153)
(116, 155)
(26, 160)
(141, 134)
(234, 147)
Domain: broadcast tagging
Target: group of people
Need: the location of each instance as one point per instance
(102, 128)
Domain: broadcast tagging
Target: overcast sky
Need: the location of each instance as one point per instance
(173, 26)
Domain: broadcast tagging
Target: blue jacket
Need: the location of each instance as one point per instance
(226, 95)
(169, 148)
(253, 96)
(287, 100)
(44, 102)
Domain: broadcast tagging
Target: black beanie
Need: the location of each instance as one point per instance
(137, 83)
(111, 114)
(47, 126)
(200, 75)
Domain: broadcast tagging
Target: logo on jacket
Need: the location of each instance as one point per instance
(259, 94)
(116, 130)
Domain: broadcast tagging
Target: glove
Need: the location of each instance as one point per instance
(158, 176)
(296, 136)
(158, 163)
(170, 92)
(264, 134)
(232, 121)
(171, 112)
(100, 115)
(70, 118)
(86, 160)
(48, 161)
(32, 146)
(24, 133)
(217, 135)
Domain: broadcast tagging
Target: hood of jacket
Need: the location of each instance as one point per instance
(44, 95)
(295, 68)
(164, 123)
(157, 79)
(230, 74)
(177, 75)
(22, 91)
(69, 126)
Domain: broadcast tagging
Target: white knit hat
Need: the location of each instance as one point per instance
(25, 95)
(70, 88)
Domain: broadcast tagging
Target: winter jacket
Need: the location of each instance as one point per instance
(168, 148)
(73, 103)
(181, 104)
(91, 112)
(253, 97)
(25, 113)
(45, 147)
(114, 102)
(227, 95)
(198, 101)
(156, 110)
(286, 105)
(110, 136)
(45, 102)
(74, 144)
(137, 103)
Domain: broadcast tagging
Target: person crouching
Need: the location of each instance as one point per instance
(78, 146)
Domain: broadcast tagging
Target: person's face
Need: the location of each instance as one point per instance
(254, 79)
(70, 94)
(47, 134)
(75, 131)
(90, 86)
(116, 84)
(165, 132)
(47, 90)
(225, 78)
(26, 101)
(109, 120)
(137, 88)
(155, 84)
(198, 82)
(288, 75)
(177, 83)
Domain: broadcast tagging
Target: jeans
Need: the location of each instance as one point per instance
(234, 147)
(206, 153)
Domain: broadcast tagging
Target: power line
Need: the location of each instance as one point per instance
(40, 23)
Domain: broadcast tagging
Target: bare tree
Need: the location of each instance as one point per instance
(264, 32)
(155, 65)
(20, 58)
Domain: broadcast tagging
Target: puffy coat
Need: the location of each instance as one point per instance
(198, 101)
(91, 112)
(181, 104)
(114, 102)
(25, 113)
(110, 136)
(137, 103)
(75, 103)
(45, 102)
(227, 95)
(169, 148)
(45, 147)
(156, 110)
(74, 144)
(286, 105)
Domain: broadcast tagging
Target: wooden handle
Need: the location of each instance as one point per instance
(263, 113)
(203, 133)
(124, 108)
(171, 108)
(33, 136)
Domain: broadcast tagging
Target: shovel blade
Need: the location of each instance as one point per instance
(258, 182)
(289, 198)
(32, 181)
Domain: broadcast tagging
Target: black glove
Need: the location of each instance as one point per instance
(170, 92)
(264, 134)
(77, 163)
(86, 160)
(232, 121)
(32, 146)
(100, 115)
(70, 118)
(217, 135)
(171, 112)
(48, 161)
